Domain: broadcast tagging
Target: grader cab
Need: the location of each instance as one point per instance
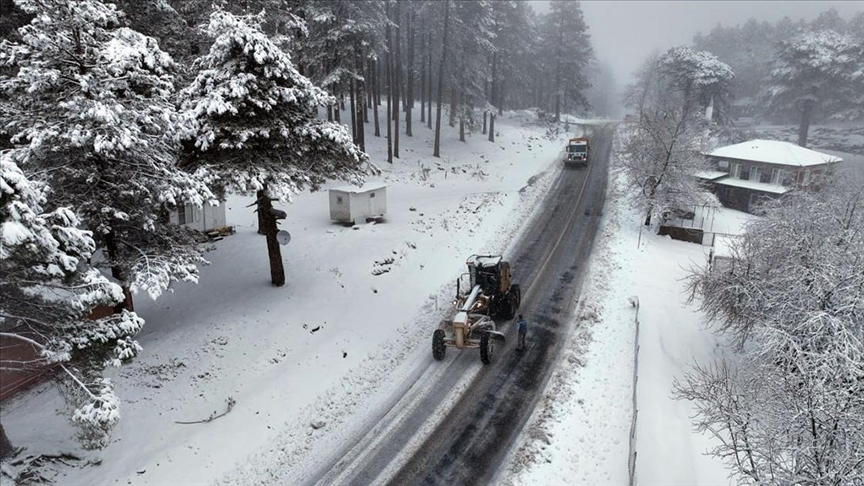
(489, 294)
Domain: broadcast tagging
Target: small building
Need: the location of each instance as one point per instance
(206, 218)
(351, 203)
(743, 174)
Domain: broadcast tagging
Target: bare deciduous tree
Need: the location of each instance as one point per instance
(788, 406)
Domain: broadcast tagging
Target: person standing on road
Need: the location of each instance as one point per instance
(522, 329)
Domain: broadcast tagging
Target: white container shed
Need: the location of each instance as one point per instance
(350, 204)
(203, 219)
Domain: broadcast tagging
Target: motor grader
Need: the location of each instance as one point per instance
(489, 295)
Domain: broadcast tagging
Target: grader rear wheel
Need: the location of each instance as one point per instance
(438, 347)
(486, 348)
(517, 292)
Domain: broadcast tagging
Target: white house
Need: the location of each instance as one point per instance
(746, 172)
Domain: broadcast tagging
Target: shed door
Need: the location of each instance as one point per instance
(372, 203)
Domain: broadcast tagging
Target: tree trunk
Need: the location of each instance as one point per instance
(500, 102)
(389, 113)
(6, 448)
(485, 115)
(493, 95)
(437, 148)
(806, 111)
(422, 79)
(397, 80)
(492, 127)
(452, 120)
(259, 194)
(410, 94)
(277, 270)
(351, 90)
(557, 104)
(429, 84)
(376, 101)
(362, 112)
(367, 86)
(462, 114)
(112, 251)
(378, 76)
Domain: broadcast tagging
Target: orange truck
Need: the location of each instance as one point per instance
(577, 152)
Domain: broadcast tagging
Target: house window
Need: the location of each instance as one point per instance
(184, 214)
(776, 176)
(723, 164)
(371, 195)
(754, 174)
(735, 171)
(338, 199)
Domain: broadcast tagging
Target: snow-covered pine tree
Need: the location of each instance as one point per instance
(343, 36)
(698, 77)
(566, 51)
(90, 112)
(253, 122)
(47, 292)
(473, 34)
(818, 73)
(514, 40)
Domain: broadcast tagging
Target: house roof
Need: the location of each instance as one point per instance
(369, 186)
(753, 185)
(774, 152)
(711, 175)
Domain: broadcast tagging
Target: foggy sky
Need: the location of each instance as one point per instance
(624, 33)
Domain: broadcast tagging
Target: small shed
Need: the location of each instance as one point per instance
(206, 218)
(352, 203)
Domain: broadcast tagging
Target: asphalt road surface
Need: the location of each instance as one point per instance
(487, 407)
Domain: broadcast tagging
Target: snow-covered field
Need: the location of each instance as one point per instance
(308, 364)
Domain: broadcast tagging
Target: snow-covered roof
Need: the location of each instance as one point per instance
(774, 152)
(710, 174)
(369, 186)
(756, 186)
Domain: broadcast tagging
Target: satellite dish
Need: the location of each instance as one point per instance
(283, 237)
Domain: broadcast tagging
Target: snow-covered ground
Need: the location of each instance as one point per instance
(352, 322)
(308, 364)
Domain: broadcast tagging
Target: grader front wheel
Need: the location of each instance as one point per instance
(486, 348)
(438, 347)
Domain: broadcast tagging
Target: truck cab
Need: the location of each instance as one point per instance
(577, 152)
